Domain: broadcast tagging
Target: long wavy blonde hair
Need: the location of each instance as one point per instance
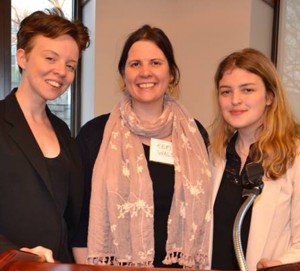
(278, 137)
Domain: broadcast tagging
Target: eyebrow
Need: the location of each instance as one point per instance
(148, 59)
(242, 85)
(50, 51)
(53, 52)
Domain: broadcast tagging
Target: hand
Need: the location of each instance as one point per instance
(80, 254)
(45, 253)
(264, 263)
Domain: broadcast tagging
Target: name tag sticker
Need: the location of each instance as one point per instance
(161, 151)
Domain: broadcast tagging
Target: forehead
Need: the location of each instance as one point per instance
(41, 40)
(145, 49)
(63, 45)
(238, 74)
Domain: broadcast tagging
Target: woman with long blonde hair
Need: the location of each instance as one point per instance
(254, 123)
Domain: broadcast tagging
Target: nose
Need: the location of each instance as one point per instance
(145, 71)
(236, 98)
(61, 69)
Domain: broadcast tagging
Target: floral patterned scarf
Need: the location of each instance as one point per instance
(122, 209)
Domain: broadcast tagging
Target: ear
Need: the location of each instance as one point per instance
(269, 98)
(171, 78)
(21, 58)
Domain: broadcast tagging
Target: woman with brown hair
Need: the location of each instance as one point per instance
(146, 165)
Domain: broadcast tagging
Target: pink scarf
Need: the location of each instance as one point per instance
(121, 208)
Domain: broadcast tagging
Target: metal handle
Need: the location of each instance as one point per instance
(253, 186)
(237, 231)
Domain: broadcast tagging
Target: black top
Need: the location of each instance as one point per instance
(59, 168)
(227, 204)
(162, 175)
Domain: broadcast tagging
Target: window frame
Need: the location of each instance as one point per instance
(275, 32)
(76, 86)
(5, 48)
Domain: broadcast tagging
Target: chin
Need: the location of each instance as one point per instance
(52, 97)
(237, 125)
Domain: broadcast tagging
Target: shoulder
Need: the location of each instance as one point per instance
(9, 105)
(2, 103)
(94, 126)
(2, 108)
(203, 132)
(295, 167)
(92, 132)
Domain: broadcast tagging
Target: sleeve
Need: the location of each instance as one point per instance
(6, 244)
(89, 140)
(293, 253)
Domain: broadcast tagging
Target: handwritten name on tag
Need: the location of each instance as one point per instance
(161, 151)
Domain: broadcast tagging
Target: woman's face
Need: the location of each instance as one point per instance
(147, 74)
(243, 99)
(49, 68)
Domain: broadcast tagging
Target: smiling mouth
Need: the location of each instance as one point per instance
(237, 112)
(146, 85)
(54, 83)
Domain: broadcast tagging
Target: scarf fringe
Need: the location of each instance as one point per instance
(100, 260)
(112, 260)
(189, 262)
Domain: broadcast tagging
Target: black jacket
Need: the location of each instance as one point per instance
(29, 214)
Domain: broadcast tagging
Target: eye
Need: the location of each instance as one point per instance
(134, 64)
(71, 68)
(224, 92)
(50, 59)
(156, 62)
(247, 90)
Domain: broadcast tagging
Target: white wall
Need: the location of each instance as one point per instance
(261, 26)
(201, 31)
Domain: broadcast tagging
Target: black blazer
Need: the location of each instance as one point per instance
(29, 215)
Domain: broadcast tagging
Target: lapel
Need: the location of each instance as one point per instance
(218, 167)
(63, 134)
(261, 220)
(21, 134)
